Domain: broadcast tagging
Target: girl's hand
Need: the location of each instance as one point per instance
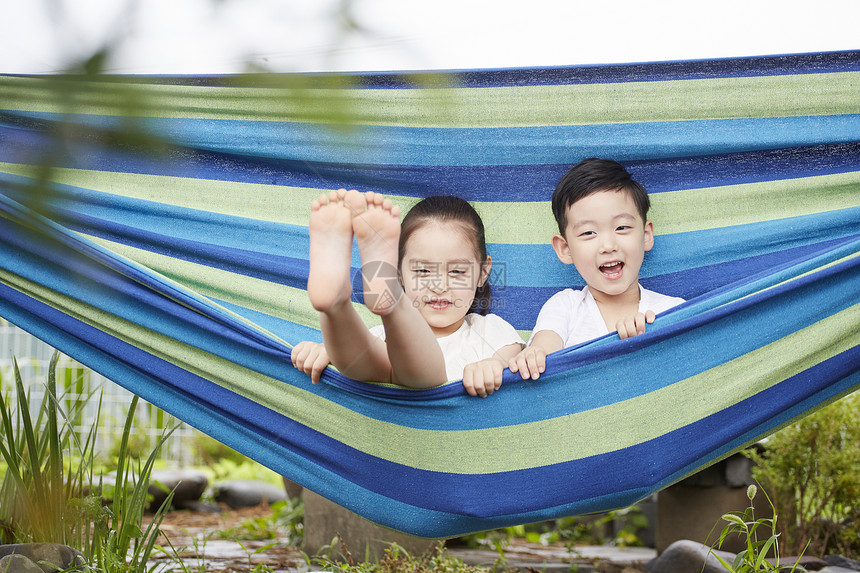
(635, 324)
(530, 363)
(311, 358)
(484, 377)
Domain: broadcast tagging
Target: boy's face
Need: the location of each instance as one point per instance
(606, 240)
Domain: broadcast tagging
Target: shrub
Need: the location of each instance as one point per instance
(812, 470)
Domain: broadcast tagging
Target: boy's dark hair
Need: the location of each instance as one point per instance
(590, 176)
(450, 209)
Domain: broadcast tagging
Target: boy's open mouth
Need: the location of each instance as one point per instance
(612, 270)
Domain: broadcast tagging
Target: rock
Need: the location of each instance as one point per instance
(844, 562)
(293, 489)
(834, 569)
(808, 562)
(18, 564)
(189, 484)
(247, 493)
(686, 556)
(738, 471)
(47, 557)
(203, 507)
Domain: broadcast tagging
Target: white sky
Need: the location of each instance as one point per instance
(226, 36)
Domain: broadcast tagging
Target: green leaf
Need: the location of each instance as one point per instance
(763, 553)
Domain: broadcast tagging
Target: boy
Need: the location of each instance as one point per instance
(604, 232)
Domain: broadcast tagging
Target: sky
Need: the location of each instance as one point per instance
(230, 36)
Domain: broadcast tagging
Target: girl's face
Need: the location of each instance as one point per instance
(440, 271)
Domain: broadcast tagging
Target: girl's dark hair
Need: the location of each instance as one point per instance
(593, 175)
(450, 209)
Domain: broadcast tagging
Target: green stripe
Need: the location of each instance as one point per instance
(733, 205)
(525, 223)
(715, 98)
(532, 223)
(275, 203)
(248, 292)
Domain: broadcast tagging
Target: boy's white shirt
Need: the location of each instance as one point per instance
(574, 316)
(479, 337)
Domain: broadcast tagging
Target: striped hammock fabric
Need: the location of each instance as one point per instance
(155, 229)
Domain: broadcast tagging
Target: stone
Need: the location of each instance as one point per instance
(691, 513)
(189, 486)
(842, 561)
(808, 562)
(293, 489)
(202, 507)
(18, 564)
(738, 471)
(325, 520)
(247, 493)
(687, 556)
(47, 557)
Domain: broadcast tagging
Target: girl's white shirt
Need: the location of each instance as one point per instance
(479, 337)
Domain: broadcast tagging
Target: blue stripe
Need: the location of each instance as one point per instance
(474, 183)
(680, 252)
(520, 305)
(644, 72)
(539, 145)
(582, 74)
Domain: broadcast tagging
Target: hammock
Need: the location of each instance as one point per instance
(177, 268)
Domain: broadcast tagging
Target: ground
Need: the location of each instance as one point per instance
(194, 537)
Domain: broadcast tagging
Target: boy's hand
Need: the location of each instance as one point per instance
(484, 377)
(635, 324)
(311, 358)
(530, 363)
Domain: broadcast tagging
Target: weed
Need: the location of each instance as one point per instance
(259, 567)
(337, 558)
(285, 521)
(754, 558)
(182, 562)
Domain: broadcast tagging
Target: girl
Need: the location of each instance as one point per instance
(427, 280)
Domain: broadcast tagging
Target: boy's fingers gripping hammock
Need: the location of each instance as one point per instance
(156, 230)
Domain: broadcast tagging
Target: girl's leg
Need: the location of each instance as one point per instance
(415, 356)
(350, 346)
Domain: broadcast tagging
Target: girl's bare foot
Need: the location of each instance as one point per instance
(330, 230)
(376, 226)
